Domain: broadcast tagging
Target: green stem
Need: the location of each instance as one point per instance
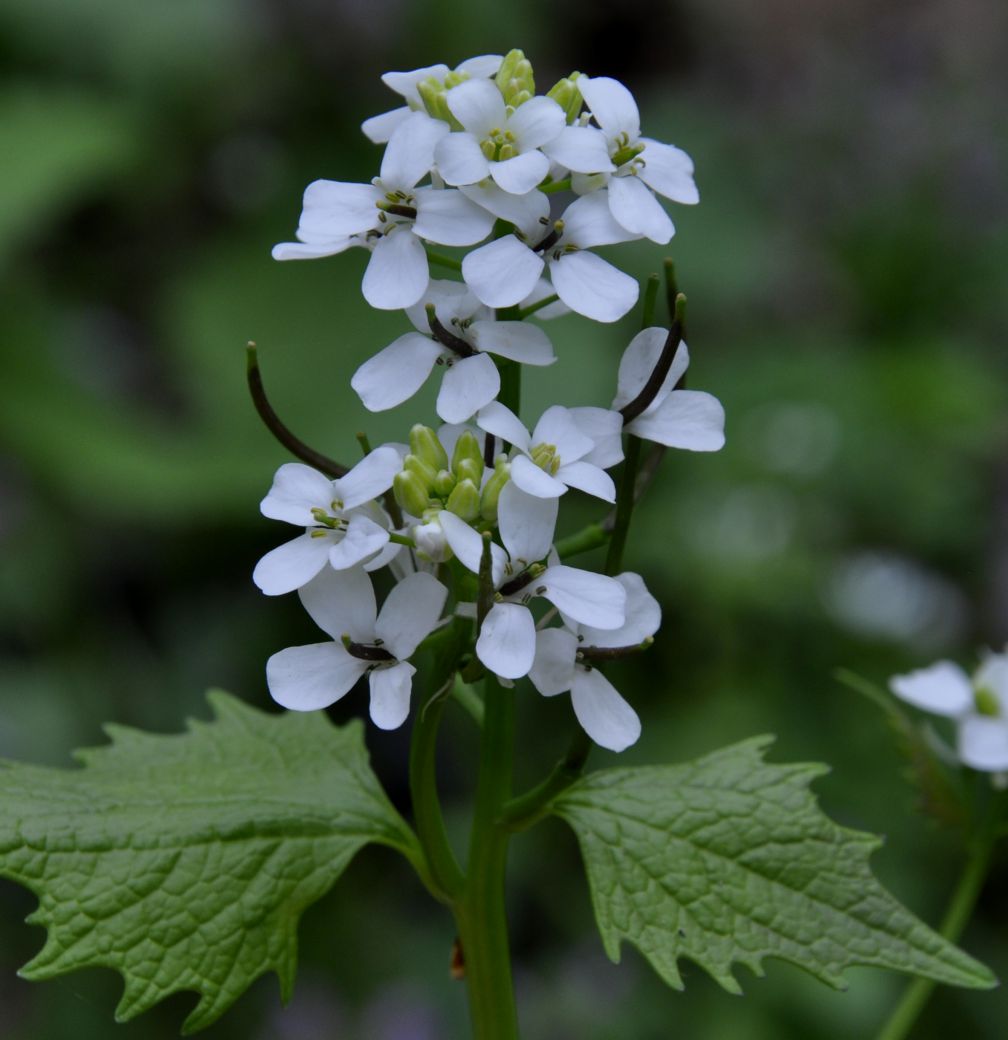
(480, 912)
(957, 916)
(624, 506)
(524, 312)
(522, 812)
(444, 870)
(444, 261)
(588, 538)
(650, 299)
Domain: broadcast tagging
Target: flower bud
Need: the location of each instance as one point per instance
(430, 540)
(423, 442)
(466, 457)
(514, 78)
(493, 487)
(464, 501)
(426, 473)
(432, 94)
(410, 493)
(567, 95)
(444, 484)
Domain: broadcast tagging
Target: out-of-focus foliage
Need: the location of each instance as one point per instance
(844, 273)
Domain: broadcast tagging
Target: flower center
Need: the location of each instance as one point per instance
(499, 145)
(624, 152)
(396, 204)
(986, 701)
(546, 458)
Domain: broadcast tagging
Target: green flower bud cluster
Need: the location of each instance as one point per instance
(428, 482)
(515, 80)
(567, 95)
(433, 93)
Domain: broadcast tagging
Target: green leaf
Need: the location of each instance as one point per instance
(729, 860)
(185, 861)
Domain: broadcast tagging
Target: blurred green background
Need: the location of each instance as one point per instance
(847, 304)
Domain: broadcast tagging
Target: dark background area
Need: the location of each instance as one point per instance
(847, 305)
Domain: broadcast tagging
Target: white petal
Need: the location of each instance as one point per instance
(521, 173)
(405, 83)
(593, 287)
(477, 104)
(581, 149)
(636, 209)
(306, 678)
(689, 419)
(390, 694)
(556, 426)
(380, 128)
(371, 477)
(605, 427)
(669, 170)
(517, 340)
(447, 217)
(481, 67)
(291, 565)
(306, 251)
(590, 599)
(526, 523)
(460, 160)
(296, 490)
(397, 274)
(468, 384)
(499, 420)
(534, 481)
(643, 617)
(536, 122)
(589, 479)
(588, 222)
(332, 209)
(341, 603)
(983, 743)
(410, 613)
(409, 155)
(639, 361)
(529, 213)
(553, 668)
(604, 715)
(467, 545)
(502, 272)
(507, 640)
(942, 688)
(363, 539)
(396, 373)
(612, 105)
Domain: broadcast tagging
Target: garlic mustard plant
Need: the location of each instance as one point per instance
(434, 569)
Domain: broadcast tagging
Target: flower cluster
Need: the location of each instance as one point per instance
(977, 704)
(463, 517)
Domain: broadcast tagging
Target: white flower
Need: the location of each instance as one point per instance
(563, 662)
(553, 457)
(470, 378)
(496, 140)
(689, 419)
(978, 706)
(391, 216)
(306, 678)
(507, 639)
(379, 128)
(642, 163)
(505, 271)
(342, 525)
